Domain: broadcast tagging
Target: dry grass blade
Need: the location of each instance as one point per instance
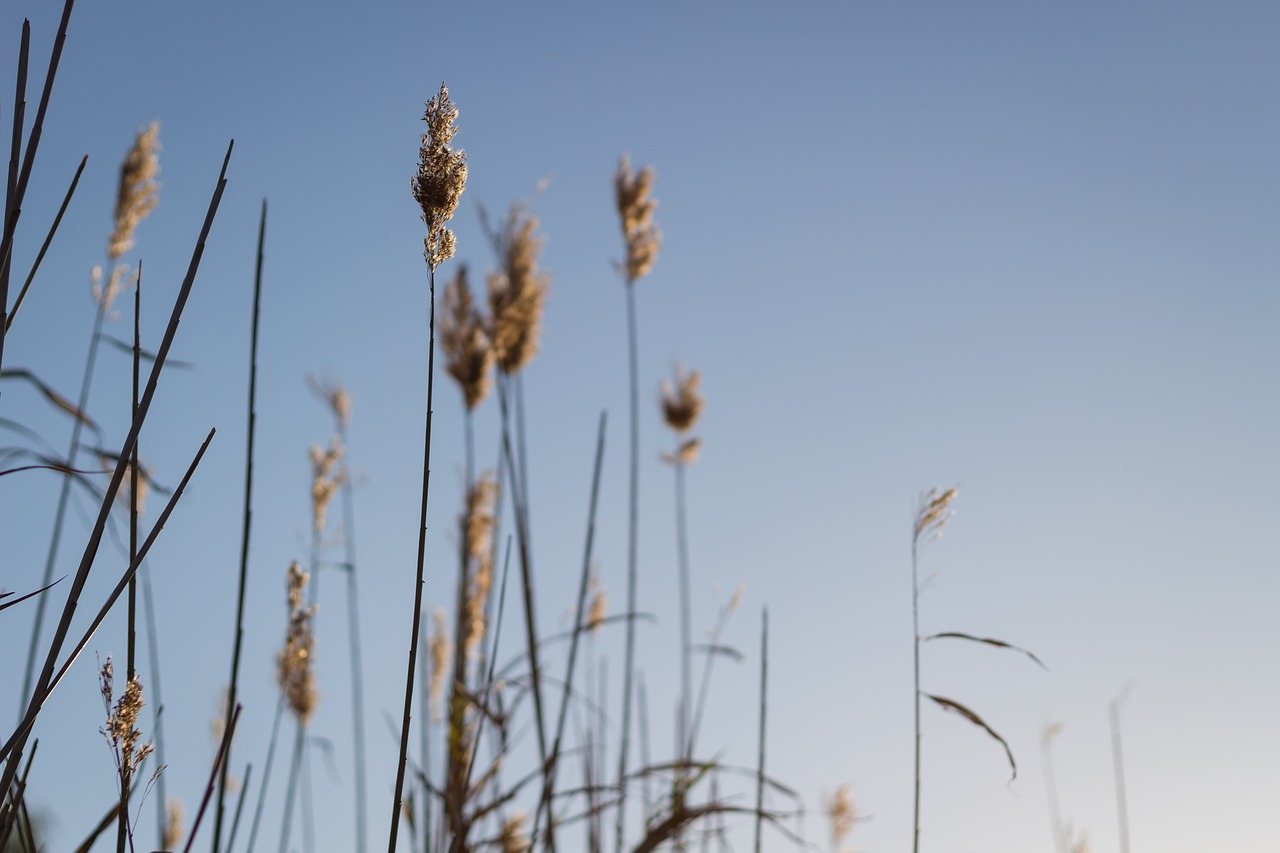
(990, 641)
(956, 707)
(28, 595)
(51, 395)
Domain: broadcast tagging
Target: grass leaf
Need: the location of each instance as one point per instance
(990, 641)
(956, 707)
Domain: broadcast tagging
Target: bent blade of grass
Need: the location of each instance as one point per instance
(990, 641)
(957, 708)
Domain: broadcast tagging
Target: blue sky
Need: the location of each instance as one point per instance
(1026, 249)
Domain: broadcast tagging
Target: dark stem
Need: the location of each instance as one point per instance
(44, 247)
(417, 589)
(122, 826)
(247, 523)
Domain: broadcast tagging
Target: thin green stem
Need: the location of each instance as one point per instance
(764, 707)
(633, 516)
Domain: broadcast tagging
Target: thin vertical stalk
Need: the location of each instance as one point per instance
(684, 729)
(417, 589)
(247, 523)
(633, 516)
(915, 627)
(11, 201)
(1117, 757)
(1051, 794)
(584, 583)
(44, 247)
(266, 775)
(126, 774)
(157, 702)
(235, 818)
(357, 660)
(291, 789)
(764, 706)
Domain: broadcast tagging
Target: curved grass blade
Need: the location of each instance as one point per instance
(990, 641)
(956, 707)
(717, 649)
(51, 395)
(28, 595)
(145, 355)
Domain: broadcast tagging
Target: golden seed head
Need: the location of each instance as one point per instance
(477, 528)
(324, 480)
(468, 357)
(441, 177)
(934, 512)
(840, 810)
(599, 607)
(121, 730)
(1050, 732)
(441, 647)
(123, 494)
(116, 283)
(172, 825)
(136, 194)
(294, 664)
(335, 396)
(735, 601)
(635, 206)
(681, 402)
(517, 292)
(513, 837)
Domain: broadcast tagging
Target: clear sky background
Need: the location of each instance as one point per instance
(1025, 248)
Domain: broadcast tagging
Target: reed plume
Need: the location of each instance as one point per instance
(121, 729)
(477, 526)
(440, 647)
(324, 480)
(335, 396)
(633, 194)
(136, 195)
(173, 828)
(517, 292)
(464, 339)
(294, 673)
(632, 191)
(681, 402)
(842, 814)
(441, 177)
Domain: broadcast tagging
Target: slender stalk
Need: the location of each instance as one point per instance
(397, 799)
(157, 702)
(235, 818)
(308, 811)
(357, 665)
(1122, 808)
(764, 705)
(684, 729)
(126, 773)
(1051, 794)
(213, 776)
(266, 775)
(13, 204)
(549, 780)
(247, 522)
(915, 627)
(44, 247)
(633, 516)
(291, 788)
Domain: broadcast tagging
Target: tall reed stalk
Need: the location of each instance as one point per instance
(635, 208)
(246, 524)
(441, 178)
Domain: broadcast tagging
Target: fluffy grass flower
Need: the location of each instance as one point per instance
(681, 402)
(441, 177)
(633, 194)
(464, 339)
(136, 195)
(294, 664)
(517, 292)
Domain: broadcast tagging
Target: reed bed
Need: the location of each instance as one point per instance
(519, 746)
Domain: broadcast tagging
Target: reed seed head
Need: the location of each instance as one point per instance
(842, 814)
(934, 512)
(173, 829)
(468, 356)
(477, 527)
(441, 177)
(294, 664)
(517, 292)
(116, 283)
(632, 191)
(136, 195)
(599, 607)
(335, 396)
(121, 729)
(513, 838)
(324, 480)
(681, 402)
(441, 647)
